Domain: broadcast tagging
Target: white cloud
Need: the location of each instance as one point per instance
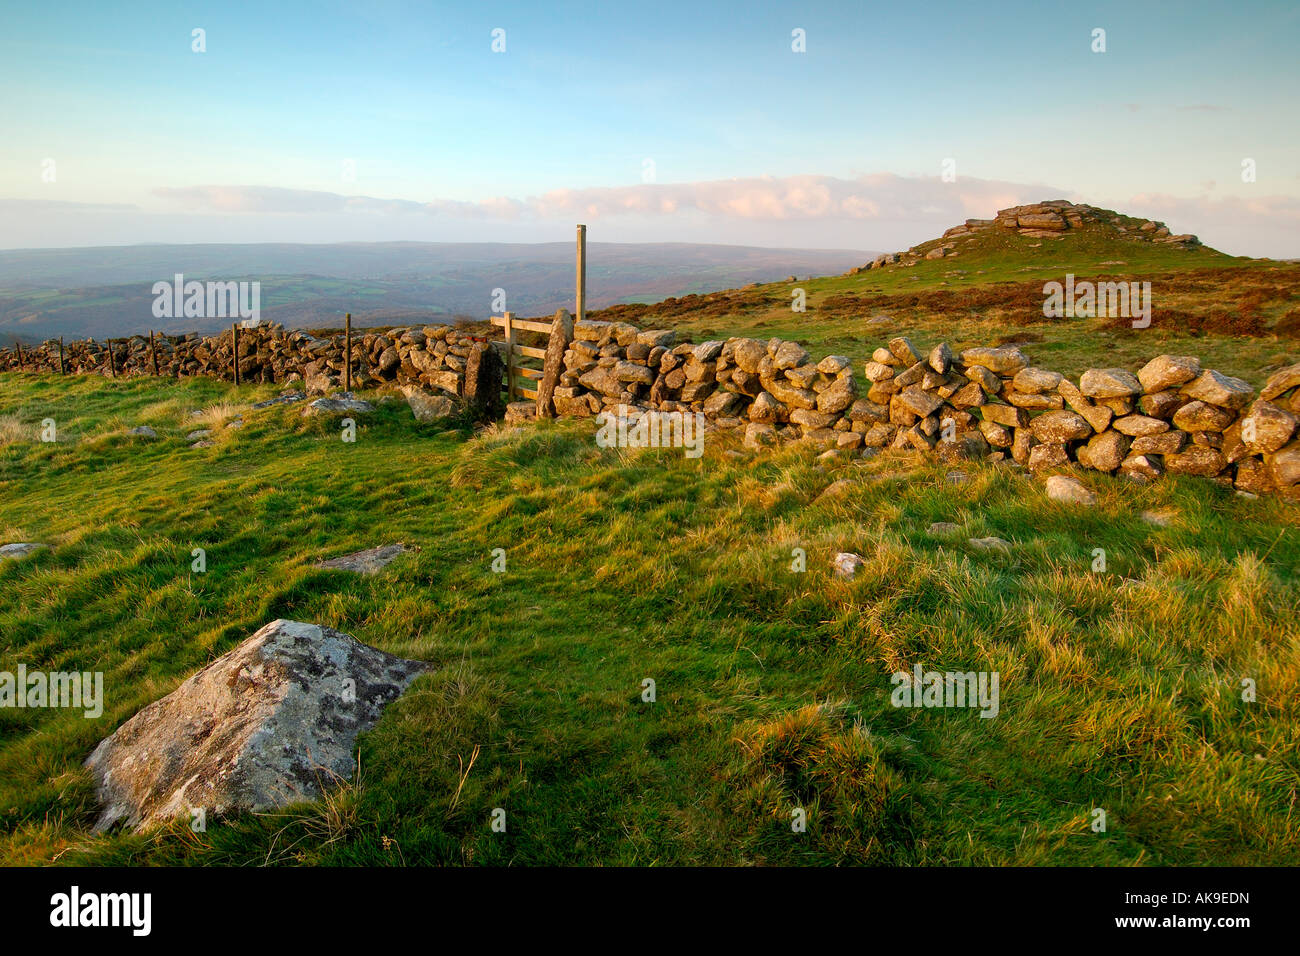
(877, 211)
(874, 197)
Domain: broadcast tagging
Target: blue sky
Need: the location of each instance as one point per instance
(839, 146)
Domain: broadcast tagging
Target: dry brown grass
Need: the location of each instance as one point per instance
(13, 430)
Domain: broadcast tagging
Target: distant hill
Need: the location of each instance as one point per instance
(106, 291)
(1054, 234)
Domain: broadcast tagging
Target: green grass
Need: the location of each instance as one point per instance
(1119, 690)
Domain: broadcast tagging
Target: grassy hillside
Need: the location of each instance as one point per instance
(1119, 689)
(1239, 315)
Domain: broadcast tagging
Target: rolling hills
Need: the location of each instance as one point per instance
(105, 292)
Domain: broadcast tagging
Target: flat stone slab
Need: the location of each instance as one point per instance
(19, 550)
(370, 561)
(1160, 519)
(142, 431)
(342, 403)
(288, 398)
(990, 544)
(273, 722)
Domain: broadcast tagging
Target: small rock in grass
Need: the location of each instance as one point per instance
(990, 544)
(19, 550)
(1161, 519)
(197, 435)
(846, 564)
(944, 528)
(1068, 490)
(370, 561)
(142, 431)
(837, 489)
(426, 407)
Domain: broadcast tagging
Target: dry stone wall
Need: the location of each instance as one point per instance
(434, 357)
(1171, 415)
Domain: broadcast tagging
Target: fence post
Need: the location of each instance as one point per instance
(234, 331)
(510, 356)
(153, 353)
(347, 352)
(112, 360)
(581, 304)
(63, 369)
(22, 362)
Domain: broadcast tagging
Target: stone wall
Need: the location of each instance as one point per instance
(433, 358)
(1171, 415)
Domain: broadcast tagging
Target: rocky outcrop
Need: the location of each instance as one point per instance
(271, 723)
(1053, 219)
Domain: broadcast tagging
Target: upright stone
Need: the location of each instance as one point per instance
(561, 336)
(484, 372)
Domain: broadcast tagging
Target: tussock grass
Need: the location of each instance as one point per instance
(14, 429)
(1119, 689)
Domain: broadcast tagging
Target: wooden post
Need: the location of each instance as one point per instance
(234, 331)
(22, 362)
(112, 360)
(581, 310)
(510, 356)
(63, 369)
(153, 353)
(347, 352)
